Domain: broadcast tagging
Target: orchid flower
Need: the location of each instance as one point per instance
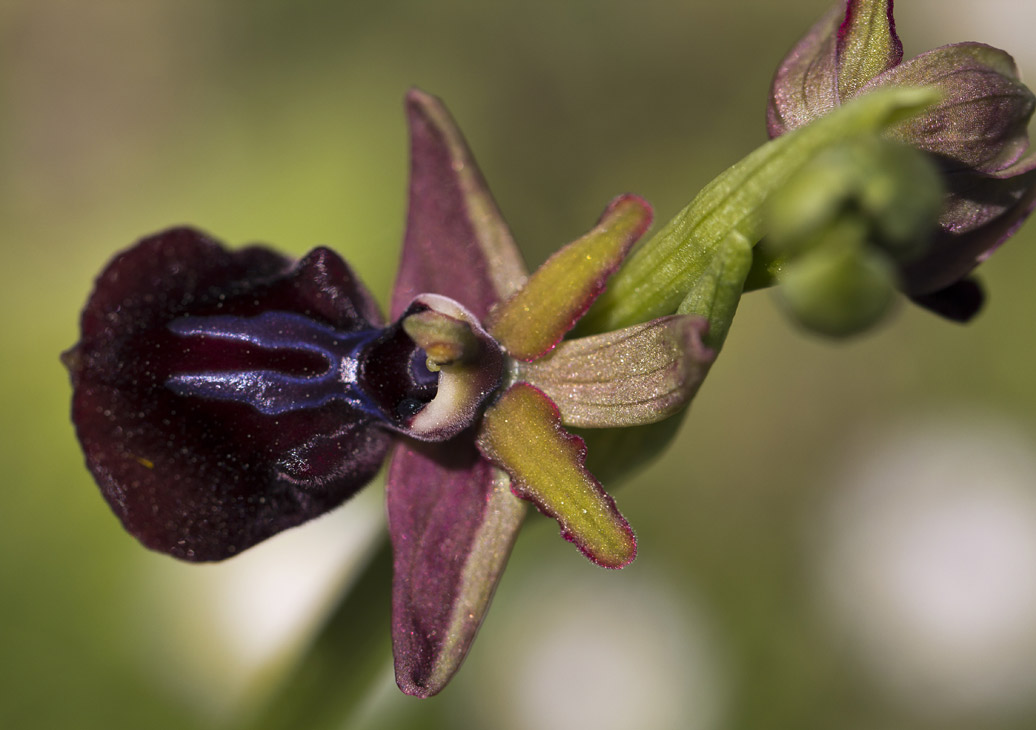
(976, 133)
(221, 396)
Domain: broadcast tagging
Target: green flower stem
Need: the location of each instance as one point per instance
(728, 212)
(715, 293)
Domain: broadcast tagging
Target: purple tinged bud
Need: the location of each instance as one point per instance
(977, 133)
(981, 122)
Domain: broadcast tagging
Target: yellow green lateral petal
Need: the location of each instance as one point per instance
(535, 318)
(522, 434)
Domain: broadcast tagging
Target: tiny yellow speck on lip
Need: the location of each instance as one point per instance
(146, 463)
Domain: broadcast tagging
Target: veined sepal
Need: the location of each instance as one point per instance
(453, 521)
(630, 377)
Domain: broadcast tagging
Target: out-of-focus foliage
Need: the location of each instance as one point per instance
(282, 121)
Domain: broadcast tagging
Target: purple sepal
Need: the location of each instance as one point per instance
(982, 212)
(452, 517)
(452, 520)
(981, 123)
(202, 478)
(452, 220)
(805, 85)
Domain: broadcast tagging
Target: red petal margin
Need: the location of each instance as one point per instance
(831, 62)
(522, 434)
(456, 242)
(452, 520)
(532, 322)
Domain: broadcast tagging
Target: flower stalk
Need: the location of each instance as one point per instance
(728, 214)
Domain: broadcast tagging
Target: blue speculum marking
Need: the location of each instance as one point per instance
(272, 390)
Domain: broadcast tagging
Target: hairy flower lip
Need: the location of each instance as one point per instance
(239, 476)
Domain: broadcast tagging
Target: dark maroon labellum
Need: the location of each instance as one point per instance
(216, 392)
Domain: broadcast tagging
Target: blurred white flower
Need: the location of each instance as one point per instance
(928, 560)
(608, 654)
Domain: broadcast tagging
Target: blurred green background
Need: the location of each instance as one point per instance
(843, 535)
